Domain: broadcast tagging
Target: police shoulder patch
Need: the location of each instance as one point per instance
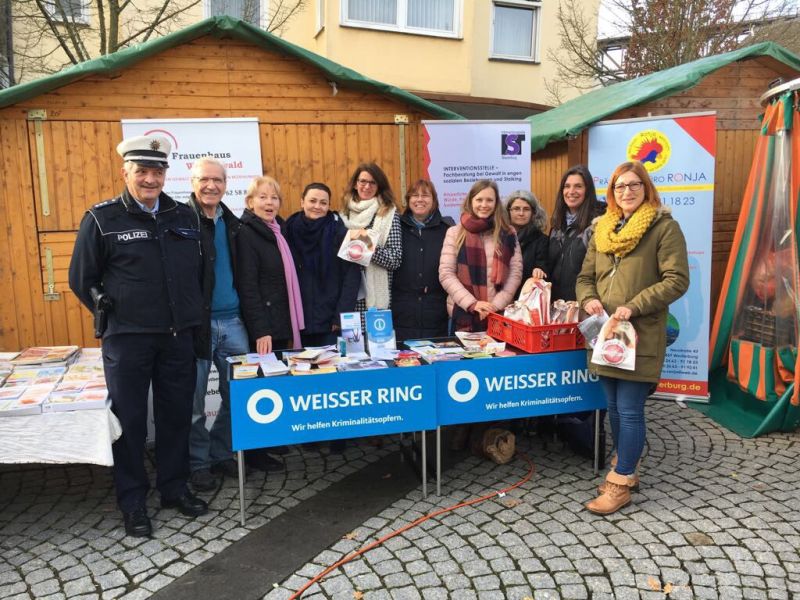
(106, 203)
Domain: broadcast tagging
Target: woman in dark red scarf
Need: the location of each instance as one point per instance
(481, 263)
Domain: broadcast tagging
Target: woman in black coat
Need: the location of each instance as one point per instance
(529, 219)
(268, 286)
(419, 304)
(328, 284)
(570, 231)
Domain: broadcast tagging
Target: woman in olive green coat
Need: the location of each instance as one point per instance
(635, 267)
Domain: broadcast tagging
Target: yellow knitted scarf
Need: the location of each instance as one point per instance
(622, 242)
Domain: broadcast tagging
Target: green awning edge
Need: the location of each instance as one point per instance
(574, 116)
(219, 27)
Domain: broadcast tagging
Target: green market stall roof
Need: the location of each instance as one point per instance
(219, 27)
(573, 116)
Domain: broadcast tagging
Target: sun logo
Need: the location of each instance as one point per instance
(651, 148)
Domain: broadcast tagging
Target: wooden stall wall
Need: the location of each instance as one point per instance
(309, 130)
(547, 167)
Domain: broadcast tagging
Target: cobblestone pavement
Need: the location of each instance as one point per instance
(61, 535)
(716, 517)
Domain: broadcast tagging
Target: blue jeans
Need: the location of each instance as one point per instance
(626, 413)
(206, 448)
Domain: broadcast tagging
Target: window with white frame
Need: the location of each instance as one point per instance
(246, 10)
(320, 15)
(68, 11)
(515, 29)
(423, 17)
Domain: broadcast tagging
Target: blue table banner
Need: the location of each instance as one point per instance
(274, 411)
(472, 391)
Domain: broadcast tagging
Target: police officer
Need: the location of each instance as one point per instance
(142, 249)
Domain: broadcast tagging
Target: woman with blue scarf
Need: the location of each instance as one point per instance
(328, 284)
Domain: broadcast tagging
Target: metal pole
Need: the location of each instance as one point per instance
(438, 461)
(424, 465)
(240, 458)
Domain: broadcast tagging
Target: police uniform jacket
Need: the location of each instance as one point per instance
(207, 234)
(262, 283)
(149, 265)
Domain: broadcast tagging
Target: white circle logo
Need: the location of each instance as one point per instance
(457, 377)
(259, 417)
(379, 324)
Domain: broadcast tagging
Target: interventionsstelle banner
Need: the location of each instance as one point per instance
(679, 154)
(459, 153)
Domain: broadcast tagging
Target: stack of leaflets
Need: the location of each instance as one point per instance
(363, 365)
(312, 356)
(479, 344)
(46, 355)
(407, 358)
(86, 399)
(29, 402)
(271, 366)
(352, 338)
(6, 366)
(41, 381)
(82, 388)
(312, 361)
(307, 369)
(436, 351)
(27, 376)
(245, 371)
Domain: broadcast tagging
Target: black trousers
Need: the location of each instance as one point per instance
(132, 361)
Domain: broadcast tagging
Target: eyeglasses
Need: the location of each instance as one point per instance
(366, 182)
(424, 196)
(633, 186)
(520, 209)
(206, 180)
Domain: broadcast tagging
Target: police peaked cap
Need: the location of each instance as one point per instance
(146, 150)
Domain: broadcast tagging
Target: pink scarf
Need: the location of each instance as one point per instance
(292, 285)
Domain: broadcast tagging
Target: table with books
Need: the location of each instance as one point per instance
(364, 388)
(54, 407)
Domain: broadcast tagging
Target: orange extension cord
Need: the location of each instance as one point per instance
(413, 524)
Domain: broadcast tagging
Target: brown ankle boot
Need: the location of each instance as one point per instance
(617, 494)
(633, 479)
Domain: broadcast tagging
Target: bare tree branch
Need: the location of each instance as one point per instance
(653, 35)
(54, 33)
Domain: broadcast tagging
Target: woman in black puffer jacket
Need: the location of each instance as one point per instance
(570, 231)
(419, 304)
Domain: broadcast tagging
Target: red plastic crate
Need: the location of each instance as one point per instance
(535, 339)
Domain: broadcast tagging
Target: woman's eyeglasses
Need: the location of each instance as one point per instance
(633, 186)
(366, 182)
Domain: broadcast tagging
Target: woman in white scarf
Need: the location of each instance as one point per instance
(369, 205)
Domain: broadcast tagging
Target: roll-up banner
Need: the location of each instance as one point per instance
(234, 142)
(459, 153)
(679, 153)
